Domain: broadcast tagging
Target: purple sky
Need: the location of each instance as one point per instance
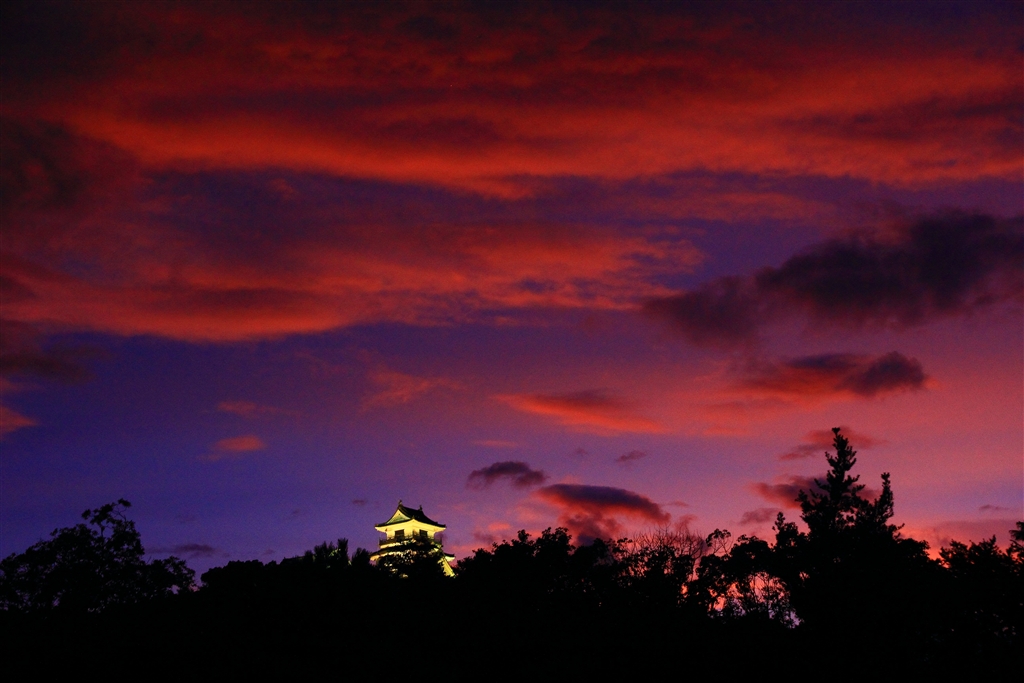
(268, 268)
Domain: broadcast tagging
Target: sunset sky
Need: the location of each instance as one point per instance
(268, 268)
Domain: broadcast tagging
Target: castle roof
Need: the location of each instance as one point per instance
(404, 514)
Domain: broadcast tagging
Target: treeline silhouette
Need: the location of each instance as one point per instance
(848, 593)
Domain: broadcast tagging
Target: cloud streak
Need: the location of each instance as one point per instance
(396, 388)
(630, 457)
(11, 421)
(593, 410)
(235, 446)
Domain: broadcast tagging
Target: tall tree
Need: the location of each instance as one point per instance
(853, 573)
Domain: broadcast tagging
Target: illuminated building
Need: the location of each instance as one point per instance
(410, 530)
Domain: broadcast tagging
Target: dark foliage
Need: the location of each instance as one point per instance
(537, 606)
(89, 567)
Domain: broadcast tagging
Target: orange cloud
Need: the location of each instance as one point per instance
(594, 411)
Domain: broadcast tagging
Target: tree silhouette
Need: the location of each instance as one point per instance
(852, 574)
(986, 592)
(89, 567)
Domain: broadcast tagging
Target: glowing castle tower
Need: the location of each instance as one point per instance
(408, 529)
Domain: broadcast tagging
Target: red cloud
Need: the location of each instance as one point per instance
(270, 266)
(118, 193)
(594, 411)
(545, 92)
(591, 512)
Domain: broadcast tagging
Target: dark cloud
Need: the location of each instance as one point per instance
(485, 538)
(724, 312)
(518, 473)
(839, 373)
(51, 177)
(785, 490)
(359, 501)
(22, 354)
(943, 265)
(938, 265)
(632, 456)
(993, 508)
(37, 166)
(758, 516)
(591, 512)
(784, 493)
(58, 365)
(818, 441)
